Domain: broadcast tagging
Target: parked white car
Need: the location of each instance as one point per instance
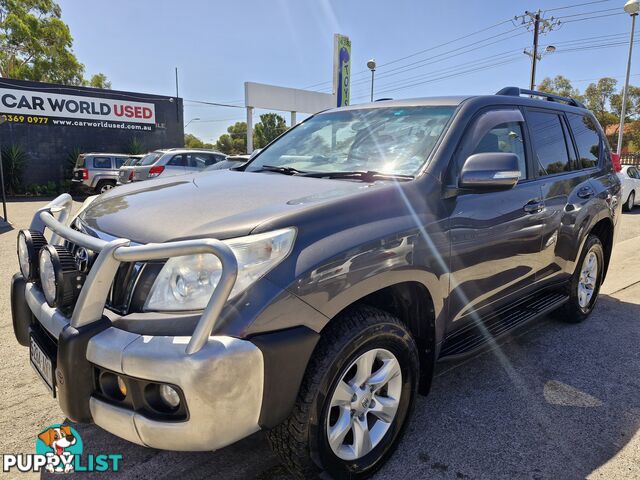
(630, 178)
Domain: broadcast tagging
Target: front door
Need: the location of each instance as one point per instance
(495, 236)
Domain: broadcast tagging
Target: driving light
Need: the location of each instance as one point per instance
(122, 387)
(187, 283)
(29, 244)
(169, 396)
(60, 279)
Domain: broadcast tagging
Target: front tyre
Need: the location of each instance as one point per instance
(585, 283)
(355, 398)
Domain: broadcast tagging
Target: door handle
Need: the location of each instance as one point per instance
(585, 192)
(534, 206)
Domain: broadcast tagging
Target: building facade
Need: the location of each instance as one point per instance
(51, 123)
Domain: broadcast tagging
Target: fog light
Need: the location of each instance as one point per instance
(60, 279)
(169, 396)
(29, 244)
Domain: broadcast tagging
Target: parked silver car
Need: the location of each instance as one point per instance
(97, 172)
(174, 161)
(125, 173)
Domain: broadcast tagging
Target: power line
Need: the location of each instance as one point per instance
(215, 104)
(576, 5)
(594, 17)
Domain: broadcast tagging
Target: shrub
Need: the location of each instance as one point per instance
(14, 159)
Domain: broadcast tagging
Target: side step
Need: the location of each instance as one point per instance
(496, 324)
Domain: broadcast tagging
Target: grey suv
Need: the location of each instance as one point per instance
(171, 162)
(97, 172)
(311, 292)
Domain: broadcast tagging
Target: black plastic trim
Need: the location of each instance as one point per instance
(20, 312)
(286, 354)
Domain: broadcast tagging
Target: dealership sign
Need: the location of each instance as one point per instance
(341, 69)
(28, 106)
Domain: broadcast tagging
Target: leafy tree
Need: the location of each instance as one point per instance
(99, 80)
(271, 125)
(234, 141)
(191, 141)
(559, 85)
(35, 44)
(633, 103)
(598, 97)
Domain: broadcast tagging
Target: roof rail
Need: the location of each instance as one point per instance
(516, 92)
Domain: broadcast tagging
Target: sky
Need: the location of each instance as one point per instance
(218, 45)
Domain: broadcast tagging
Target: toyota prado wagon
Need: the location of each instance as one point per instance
(311, 291)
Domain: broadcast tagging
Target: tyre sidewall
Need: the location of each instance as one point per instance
(398, 341)
(592, 244)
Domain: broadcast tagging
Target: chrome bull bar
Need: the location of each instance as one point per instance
(91, 302)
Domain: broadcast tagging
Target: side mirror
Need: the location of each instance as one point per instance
(490, 171)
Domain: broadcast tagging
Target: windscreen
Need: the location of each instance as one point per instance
(80, 161)
(395, 140)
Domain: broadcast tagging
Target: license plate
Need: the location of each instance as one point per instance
(42, 364)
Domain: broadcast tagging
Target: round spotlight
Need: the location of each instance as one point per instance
(169, 396)
(29, 244)
(60, 279)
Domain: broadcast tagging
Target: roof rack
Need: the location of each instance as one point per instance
(516, 92)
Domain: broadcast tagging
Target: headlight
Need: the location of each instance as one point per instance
(187, 283)
(29, 244)
(60, 279)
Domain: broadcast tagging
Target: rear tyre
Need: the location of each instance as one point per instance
(631, 202)
(584, 286)
(354, 401)
(104, 186)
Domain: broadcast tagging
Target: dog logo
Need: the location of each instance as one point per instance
(61, 444)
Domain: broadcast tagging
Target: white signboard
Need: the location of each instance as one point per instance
(271, 97)
(41, 104)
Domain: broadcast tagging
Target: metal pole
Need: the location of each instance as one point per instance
(249, 130)
(534, 57)
(373, 71)
(293, 119)
(626, 87)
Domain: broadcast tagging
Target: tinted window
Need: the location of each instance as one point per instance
(120, 161)
(549, 143)
(633, 173)
(150, 158)
(178, 161)
(507, 138)
(587, 139)
(101, 162)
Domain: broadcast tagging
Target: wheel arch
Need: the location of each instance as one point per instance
(603, 229)
(413, 304)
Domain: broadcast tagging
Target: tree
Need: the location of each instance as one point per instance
(191, 141)
(35, 44)
(99, 80)
(598, 99)
(271, 125)
(559, 85)
(234, 141)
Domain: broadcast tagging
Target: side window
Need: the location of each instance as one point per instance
(633, 173)
(102, 162)
(549, 143)
(506, 138)
(587, 139)
(120, 161)
(178, 161)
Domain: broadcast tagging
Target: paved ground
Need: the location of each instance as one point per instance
(557, 401)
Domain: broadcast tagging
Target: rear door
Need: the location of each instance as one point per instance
(495, 236)
(198, 161)
(176, 165)
(564, 169)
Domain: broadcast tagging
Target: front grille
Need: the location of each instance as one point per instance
(119, 298)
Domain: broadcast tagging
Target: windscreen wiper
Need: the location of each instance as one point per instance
(364, 175)
(283, 170)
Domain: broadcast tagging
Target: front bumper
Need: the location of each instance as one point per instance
(220, 377)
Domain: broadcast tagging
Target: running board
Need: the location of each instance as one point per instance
(498, 323)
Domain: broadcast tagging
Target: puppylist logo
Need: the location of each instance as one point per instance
(59, 450)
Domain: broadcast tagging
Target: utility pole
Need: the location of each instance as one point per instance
(534, 21)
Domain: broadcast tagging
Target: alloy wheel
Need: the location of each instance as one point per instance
(588, 278)
(364, 404)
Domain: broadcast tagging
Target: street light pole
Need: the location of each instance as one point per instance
(371, 65)
(632, 7)
(4, 196)
(191, 121)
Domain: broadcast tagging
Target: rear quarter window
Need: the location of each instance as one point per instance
(587, 139)
(101, 162)
(550, 145)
